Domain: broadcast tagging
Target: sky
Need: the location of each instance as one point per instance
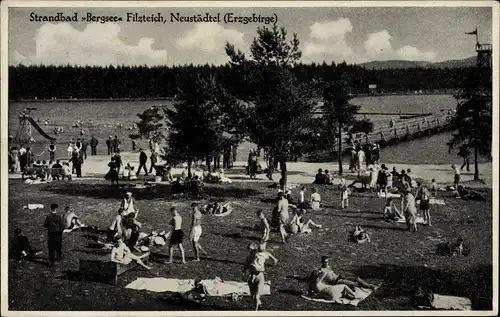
(337, 34)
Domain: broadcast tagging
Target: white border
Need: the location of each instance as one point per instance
(148, 4)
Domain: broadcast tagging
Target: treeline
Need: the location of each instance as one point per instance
(64, 82)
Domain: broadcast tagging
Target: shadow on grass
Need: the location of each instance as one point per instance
(159, 191)
(236, 235)
(386, 227)
(402, 281)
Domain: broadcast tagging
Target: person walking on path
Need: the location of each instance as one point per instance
(464, 152)
(143, 158)
(52, 150)
(93, 146)
(154, 159)
(109, 144)
(55, 226)
(116, 144)
(85, 145)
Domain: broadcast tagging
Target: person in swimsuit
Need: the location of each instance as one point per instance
(255, 269)
(264, 224)
(196, 231)
(298, 224)
(122, 254)
(176, 237)
(283, 214)
(115, 230)
(332, 278)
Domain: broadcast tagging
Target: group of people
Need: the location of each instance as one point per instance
(367, 154)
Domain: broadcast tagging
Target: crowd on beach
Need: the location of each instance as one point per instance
(290, 215)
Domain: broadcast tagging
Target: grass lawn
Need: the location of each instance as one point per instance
(398, 259)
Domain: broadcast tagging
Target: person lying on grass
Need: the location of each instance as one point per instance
(121, 254)
(299, 225)
(359, 235)
(332, 278)
(320, 288)
(391, 212)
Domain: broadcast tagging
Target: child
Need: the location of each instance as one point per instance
(264, 224)
(388, 207)
(315, 199)
(434, 187)
(344, 192)
(424, 195)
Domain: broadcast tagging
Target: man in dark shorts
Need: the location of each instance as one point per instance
(176, 237)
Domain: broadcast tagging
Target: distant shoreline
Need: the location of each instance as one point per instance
(172, 98)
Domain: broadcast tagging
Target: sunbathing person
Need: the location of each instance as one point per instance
(122, 254)
(359, 235)
(299, 225)
(71, 219)
(332, 278)
(320, 288)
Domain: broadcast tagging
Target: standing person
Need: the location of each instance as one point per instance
(176, 237)
(424, 195)
(109, 144)
(52, 150)
(344, 192)
(410, 211)
(55, 226)
(264, 224)
(352, 161)
(118, 161)
(196, 232)
(77, 164)
(302, 199)
(116, 144)
(134, 145)
(85, 145)
(93, 145)
(315, 199)
(70, 149)
(30, 156)
(143, 158)
(255, 268)
(154, 160)
(361, 159)
(73, 159)
(283, 214)
(78, 146)
(376, 153)
(22, 158)
(464, 152)
(456, 177)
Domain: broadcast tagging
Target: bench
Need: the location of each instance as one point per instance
(105, 269)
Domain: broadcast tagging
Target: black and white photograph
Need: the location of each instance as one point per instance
(320, 158)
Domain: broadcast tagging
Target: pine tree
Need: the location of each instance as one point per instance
(280, 108)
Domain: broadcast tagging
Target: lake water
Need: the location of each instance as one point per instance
(107, 114)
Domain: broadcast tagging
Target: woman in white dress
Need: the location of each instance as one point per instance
(70, 149)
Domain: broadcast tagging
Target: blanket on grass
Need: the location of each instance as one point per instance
(213, 287)
(360, 294)
(445, 302)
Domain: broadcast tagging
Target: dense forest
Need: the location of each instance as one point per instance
(64, 82)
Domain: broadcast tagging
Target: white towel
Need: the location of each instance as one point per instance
(160, 284)
(218, 287)
(359, 293)
(445, 302)
(33, 206)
